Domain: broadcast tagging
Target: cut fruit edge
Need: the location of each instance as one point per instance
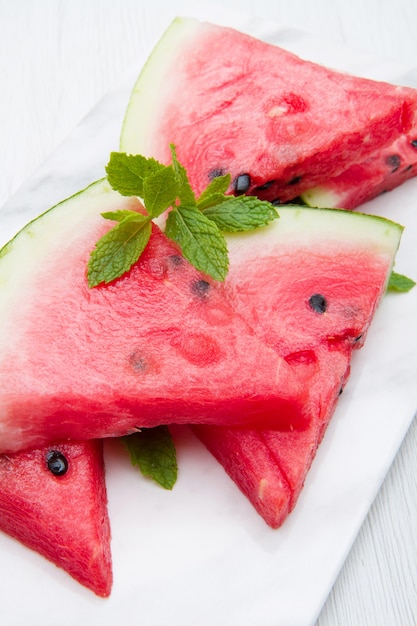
(60, 510)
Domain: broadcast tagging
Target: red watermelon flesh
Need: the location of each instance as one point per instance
(164, 344)
(382, 172)
(311, 281)
(278, 124)
(257, 470)
(274, 291)
(63, 517)
(269, 467)
(252, 466)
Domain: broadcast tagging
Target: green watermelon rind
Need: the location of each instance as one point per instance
(58, 223)
(6, 248)
(373, 221)
(99, 189)
(347, 224)
(39, 241)
(319, 197)
(61, 222)
(154, 71)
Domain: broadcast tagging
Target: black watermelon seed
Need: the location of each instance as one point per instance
(393, 161)
(57, 463)
(242, 183)
(138, 361)
(414, 143)
(408, 168)
(318, 303)
(295, 180)
(200, 288)
(276, 202)
(176, 259)
(340, 391)
(266, 185)
(298, 201)
(215, 173)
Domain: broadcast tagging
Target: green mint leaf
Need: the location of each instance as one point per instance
(185, 192)
(160, 191)
(200, 240)
(214, 192)
(399, 282)
(241, 213)
(126, 172)
(116, 252)
(209, 201)
(119, 215)
(153, 451)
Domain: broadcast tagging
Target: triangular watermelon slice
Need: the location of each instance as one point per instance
(278, 124)
(347, 270)
(53, 500)
(268, 466)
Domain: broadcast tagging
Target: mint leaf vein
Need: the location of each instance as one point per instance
(242, 213)
(116, 252)
(126, 172)
(200, 240)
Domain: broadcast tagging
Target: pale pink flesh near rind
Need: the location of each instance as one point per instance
(233, 104)
(63, 518)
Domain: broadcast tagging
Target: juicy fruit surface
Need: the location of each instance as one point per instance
(278, 124)
(152, 347)
(270, 466)
(381, 172)
(63, 517)
(342, 257)
(230, 107)
(348, 275)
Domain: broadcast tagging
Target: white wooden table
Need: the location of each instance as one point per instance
(59, 57)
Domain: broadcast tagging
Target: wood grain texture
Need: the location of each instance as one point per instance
(57, 59)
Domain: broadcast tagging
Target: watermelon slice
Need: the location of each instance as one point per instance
(268, 466)
(53, 500)
(348, 275)
(381, 172)
(163, 344)
(278, 124)
(259, 469)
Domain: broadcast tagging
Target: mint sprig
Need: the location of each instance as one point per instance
(196, 225)
(153, 451)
